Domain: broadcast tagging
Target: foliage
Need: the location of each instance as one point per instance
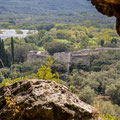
(12, 50)
(44, 40)
(1, 77)
(106, 107)
(99, 77)
(12, 106)
(63, 34)
(7, 82)
(71, 12)
(54, 47)
(87, 94)
(80, 65)
(21, 51)
(108, 117)
(45, 72)
(16, 41)
(47, 27)
(113, 91)
(59, 67)
(19, 32)
(4, 61)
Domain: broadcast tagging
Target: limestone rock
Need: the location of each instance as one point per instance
(43, 100)
(109, 8)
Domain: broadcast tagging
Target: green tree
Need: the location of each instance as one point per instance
(102, 43)
(21, 51)
(87, 95)
(12, 50)
(84, 41)
(54, 47)
(114, 40)
(44, 40)
(114, 91)
(59, 67)
(1, 77)
(45, 72)
(3, 55)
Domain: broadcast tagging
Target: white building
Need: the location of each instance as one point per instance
(4, 34)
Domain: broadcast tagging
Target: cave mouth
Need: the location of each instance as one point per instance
(109, 8)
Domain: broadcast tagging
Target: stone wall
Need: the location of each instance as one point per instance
(37, 54)
(63, 56)
(68, 57)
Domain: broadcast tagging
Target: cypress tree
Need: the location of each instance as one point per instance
(4, 60)
(3, 54)
(0, 53)
(0, 48)
(12, 50)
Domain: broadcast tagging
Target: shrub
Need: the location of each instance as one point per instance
(45, 72)
(87, 95)
(58, 67)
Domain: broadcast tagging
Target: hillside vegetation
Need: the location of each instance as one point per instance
(96, 83)
(43, 6)
(48, 11)
(69, 25)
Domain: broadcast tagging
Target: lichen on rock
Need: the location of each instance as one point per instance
(43, 100)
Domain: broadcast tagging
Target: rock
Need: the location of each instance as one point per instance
(109, 8)
(42, 100)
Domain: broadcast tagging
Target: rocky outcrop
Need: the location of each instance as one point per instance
(109, 8)
(42, 100)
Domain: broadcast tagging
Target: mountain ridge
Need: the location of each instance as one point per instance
(42, 6)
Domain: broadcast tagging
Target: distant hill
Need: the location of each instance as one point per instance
(48, 11)
(42, 6)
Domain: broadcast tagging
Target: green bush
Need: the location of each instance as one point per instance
(55, 47)
(59, 67)
(87, 95)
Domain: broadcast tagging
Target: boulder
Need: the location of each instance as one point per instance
(42, 100)
(109, 8)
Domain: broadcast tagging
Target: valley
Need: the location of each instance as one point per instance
(45, 44)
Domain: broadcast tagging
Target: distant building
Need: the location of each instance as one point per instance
(69, 57)
(37, 54)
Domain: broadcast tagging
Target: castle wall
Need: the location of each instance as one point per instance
(68, 57)
(63, 56)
